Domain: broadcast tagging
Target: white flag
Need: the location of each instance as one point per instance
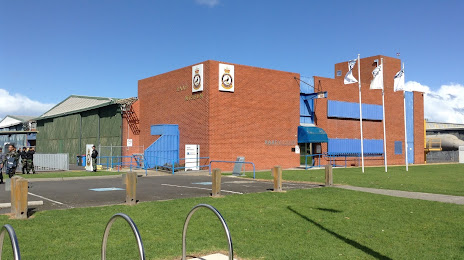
(349, 78)
(399, 81)
(377, 81)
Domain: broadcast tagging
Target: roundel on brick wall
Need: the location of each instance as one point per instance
(197, 78)
(226, 77)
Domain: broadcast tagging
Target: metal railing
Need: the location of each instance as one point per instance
(121, 162)
(223, 222)
(172, 167)
(13, 239)
(313, 162)
(254, 168)
(134, 229)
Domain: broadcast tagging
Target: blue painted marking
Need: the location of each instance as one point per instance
(106, 189)
(203, 183)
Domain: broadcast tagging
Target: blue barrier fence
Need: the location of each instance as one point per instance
(161, 163)
(254, 169)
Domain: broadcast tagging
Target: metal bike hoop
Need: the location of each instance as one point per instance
(14, 241)
(134, 229)
(223, 222)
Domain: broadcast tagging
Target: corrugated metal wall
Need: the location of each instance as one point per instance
(70, 133)
(165, 150)
(409, 96)
(19, 140)
(306, 105)
(340, 109)
(353, 146)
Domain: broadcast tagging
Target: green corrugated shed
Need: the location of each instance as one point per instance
(70, 127)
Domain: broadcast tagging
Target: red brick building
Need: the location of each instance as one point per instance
(259, 120)
(258, 113)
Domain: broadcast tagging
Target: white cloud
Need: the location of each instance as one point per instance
(210, 3)
(444, 105)
(17, 104)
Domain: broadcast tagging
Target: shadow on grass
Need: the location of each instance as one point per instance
(329, 210)
(350, 242)
(31, 211)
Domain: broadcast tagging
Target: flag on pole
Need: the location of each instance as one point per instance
(399, 81)
(349, 78)
(377, 81)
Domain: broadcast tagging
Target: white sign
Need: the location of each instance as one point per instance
(197, 78)
(192, 157)
(297, 149)
(226, 77)
(129, 142)
(88, 157)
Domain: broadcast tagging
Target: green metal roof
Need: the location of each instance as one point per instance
(74, 104)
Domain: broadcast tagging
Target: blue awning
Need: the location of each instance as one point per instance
(311, 134)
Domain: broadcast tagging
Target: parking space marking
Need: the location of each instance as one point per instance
(199, 188)
(106, 189)
(53, 201)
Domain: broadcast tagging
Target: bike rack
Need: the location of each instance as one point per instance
(134, 229)
(14, 241)
(223, 222)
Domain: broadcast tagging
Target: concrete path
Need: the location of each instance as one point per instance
(409, 194)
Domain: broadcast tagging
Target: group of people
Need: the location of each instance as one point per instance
(9, 161)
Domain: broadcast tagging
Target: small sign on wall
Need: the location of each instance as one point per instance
(129, 142)
(226, 77)
(197, 78)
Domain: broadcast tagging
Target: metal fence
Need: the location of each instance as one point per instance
(51, 162)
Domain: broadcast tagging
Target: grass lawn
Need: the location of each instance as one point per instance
(441, 179)
(66, 174)
(323, 223)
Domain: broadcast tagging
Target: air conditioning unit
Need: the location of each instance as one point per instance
(461, 154)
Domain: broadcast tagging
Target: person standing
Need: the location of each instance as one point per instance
(23, 159)
(11, 161)
(30, 160)
(1, 167)
(94, 158)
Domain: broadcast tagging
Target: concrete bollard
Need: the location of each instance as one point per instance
(328, 175)
(131, 188)
(19, 190)
(216, 183)
(277, 173)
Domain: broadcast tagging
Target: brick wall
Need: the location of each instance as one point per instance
(264, 107)
(163, 101)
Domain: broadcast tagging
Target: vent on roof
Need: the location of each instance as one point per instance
(339, 73)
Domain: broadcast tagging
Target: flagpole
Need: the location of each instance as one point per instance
(405, 129)
(383, 110)
(360, 113)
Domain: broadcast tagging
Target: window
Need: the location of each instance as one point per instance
(339, 73)
(398, 147)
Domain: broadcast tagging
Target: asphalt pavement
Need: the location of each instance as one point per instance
(110, 190)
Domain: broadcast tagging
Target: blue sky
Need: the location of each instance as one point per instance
(52, 49)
